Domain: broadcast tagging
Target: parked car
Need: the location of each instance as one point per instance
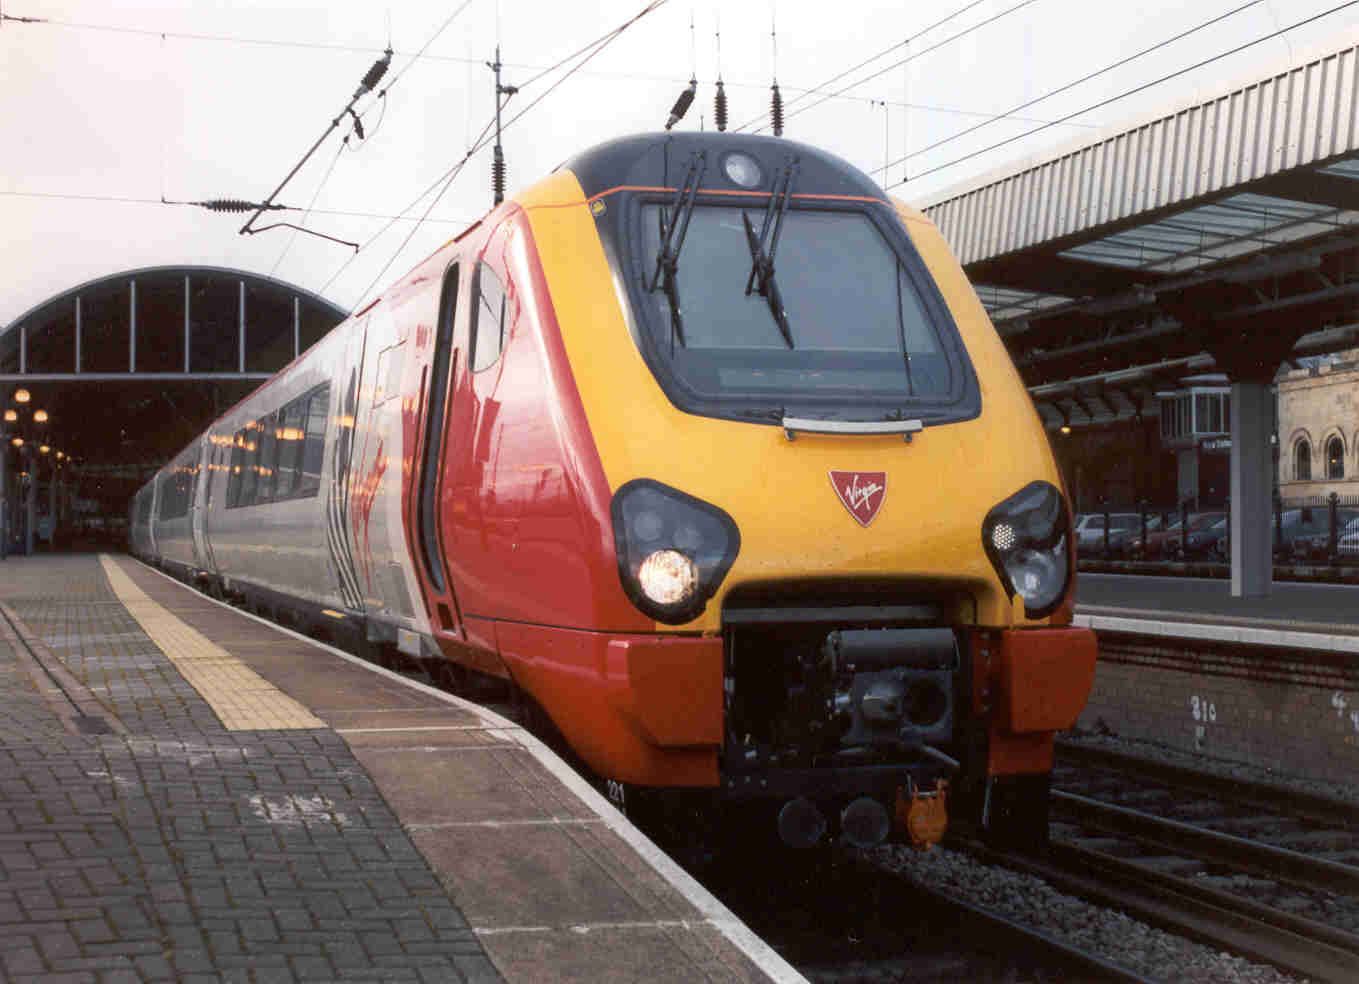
(1090, 533)
(1205, 531)
(1165, 543)
(1347, 544)
(1308, 538)
(1137, 546)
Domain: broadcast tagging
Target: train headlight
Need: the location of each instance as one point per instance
(1028, 541)
(668, 577)
(673, 550)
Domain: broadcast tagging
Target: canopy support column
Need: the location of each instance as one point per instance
(1251, 488)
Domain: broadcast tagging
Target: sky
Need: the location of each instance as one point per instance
(106, 109)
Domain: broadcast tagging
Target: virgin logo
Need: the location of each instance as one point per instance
(861, 493)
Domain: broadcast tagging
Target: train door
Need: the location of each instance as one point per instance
(478, 332)
(201, 504)
(423, 508)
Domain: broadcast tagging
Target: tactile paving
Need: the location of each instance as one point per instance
(240, 697)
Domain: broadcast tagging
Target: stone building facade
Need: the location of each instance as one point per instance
(1319, 429)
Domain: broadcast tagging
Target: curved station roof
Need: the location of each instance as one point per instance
(129, 367)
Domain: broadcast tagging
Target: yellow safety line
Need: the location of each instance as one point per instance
(240, 697)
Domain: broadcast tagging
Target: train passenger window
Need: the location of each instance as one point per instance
(233, 490)
(292, 421)
(490, 314)
(268, 458)
(388, 373)
(250, 473)
(313, 451)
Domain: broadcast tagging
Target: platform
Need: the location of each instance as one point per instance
(191, 793)
(1295, 615)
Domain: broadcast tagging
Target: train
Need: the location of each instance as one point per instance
(705, 445)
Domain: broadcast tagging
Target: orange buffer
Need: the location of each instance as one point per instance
(1037, 682)
(642, 709)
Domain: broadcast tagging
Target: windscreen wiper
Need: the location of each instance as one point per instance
(672, 241)
(762, 263)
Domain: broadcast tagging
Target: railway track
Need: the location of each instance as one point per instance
(1255, 869)
(838, 916)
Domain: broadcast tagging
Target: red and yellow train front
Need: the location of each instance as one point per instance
(760, 503)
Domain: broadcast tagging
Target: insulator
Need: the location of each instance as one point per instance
(375, 73)
(682, 104)
(720, 111)
(498, 175)
(228, 205)
(776, 109)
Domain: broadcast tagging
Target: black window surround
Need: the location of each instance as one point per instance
(626, 239)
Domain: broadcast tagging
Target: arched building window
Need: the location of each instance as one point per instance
(1335, 458)
(1302, 461)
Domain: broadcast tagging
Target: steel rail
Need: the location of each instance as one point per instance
(1282, 799)
(1225, 922)
(1177, 837)
(1088, 965)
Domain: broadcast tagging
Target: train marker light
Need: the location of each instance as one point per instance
(1027, 541)
(668, 577)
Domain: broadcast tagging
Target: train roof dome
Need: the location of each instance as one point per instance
(660, 160)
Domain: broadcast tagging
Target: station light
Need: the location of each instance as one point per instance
(40, 416)
(1066, 428)
(22, 396)
(11, 416)
(18, 442)
(44, 449)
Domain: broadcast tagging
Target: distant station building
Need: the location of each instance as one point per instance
(1319, 428)
(102, 382)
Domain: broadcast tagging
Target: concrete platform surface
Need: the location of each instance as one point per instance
(1292, 615)
(190, 793)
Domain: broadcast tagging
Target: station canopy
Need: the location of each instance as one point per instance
(130, 367)
(1221, 236)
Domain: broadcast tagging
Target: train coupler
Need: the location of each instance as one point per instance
(921, 815)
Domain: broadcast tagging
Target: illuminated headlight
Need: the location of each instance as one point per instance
(668, 577)
(673, 550)
(1027, 539)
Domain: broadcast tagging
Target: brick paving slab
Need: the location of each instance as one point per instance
(184, 851)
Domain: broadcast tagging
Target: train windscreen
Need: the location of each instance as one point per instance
(822, 316)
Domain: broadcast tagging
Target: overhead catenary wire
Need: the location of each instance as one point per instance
(803, 94)
(1136, 89)
(370, 81)
(471, 61)
(908, 59)
(1075, 82)
(134, 200)
(310, 205)
(445, 181)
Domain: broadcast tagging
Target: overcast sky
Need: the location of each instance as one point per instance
(192, 100)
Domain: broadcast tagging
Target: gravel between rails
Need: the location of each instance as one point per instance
(1109, 933)
(1347, 792)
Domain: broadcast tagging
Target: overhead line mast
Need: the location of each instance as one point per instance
(498, 158)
